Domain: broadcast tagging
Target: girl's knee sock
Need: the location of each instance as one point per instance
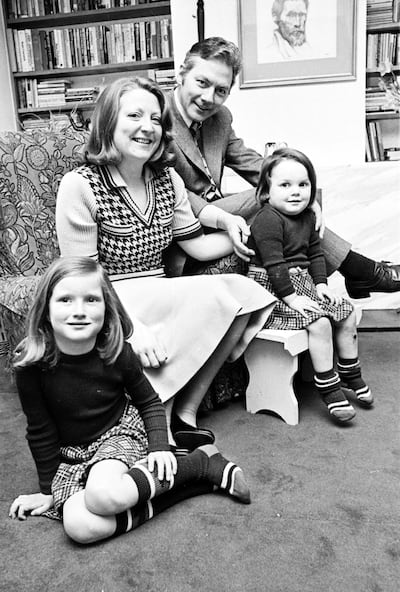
(134, 517)
(205, 462)
(350, 374)
(328, 386)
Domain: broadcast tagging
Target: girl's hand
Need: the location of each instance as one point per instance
(319, 219)
(166, 464)
(35, 503)
(149, 349)
(325, 293)
(303, 304)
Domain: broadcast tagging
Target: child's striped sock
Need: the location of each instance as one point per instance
(134, 517)
(350, 375)
(328, 386)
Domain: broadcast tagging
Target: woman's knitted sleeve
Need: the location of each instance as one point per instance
(76, 224)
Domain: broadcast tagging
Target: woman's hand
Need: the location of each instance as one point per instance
(239, 232)
(303, 304)
(147, 346)
(165, 462)
(325, 293)
(34, 503)
(319, 219)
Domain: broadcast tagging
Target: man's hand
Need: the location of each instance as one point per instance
(149, 349)
(239, 232)
(34, 503)
(319, 219)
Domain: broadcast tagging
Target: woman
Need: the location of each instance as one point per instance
(124, 206)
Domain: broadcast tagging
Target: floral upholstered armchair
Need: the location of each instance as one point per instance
(32, 164)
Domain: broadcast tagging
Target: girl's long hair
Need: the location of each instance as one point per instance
(39, 345)
(264, 181)
(100, 148)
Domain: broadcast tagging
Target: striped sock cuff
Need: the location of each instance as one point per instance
(327, 383)
(144, 482)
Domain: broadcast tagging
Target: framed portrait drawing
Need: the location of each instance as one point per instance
(296, 41)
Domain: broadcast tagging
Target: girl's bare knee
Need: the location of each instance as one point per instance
(321, 327)
(76, 523)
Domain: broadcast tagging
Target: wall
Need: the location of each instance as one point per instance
(326, 120)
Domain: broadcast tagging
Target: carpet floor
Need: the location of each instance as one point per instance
(325, 512)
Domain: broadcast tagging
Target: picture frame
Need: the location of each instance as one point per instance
(309, 42)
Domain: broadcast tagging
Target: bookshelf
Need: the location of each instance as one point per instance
(63, 52)
(382, 74)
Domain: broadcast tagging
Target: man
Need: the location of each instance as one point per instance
(204, 83)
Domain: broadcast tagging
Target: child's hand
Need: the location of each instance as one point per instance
(35, 503)
(149, 349)
(325, 293)
(303, 305)
(166, 464)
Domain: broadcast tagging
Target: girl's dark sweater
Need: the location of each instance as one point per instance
(81, 398)
(281, 242)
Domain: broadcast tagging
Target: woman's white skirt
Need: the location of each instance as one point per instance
(191, 315)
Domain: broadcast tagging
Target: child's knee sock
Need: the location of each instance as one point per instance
(350, 374)
(190, 468)
(203, 463)
(134, 517)
(328, 386)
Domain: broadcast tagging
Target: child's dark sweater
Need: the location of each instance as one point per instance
(81, 398)
(281, 242)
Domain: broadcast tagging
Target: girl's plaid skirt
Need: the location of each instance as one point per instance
(126, 441)
(284, 317)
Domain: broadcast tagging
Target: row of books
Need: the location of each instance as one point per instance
(382, 12)
(34, 93)
(53, 121)
(31, 8)
(374, 143)
(376, 100)
(374, 148)
(77, 47)
(383, 47)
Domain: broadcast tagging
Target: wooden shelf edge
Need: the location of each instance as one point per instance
(386, 28)
(57, 108)
(92, 16)
(375, 115)
(100, 69)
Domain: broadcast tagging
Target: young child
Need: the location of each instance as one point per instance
(96, 428)
(289, 262)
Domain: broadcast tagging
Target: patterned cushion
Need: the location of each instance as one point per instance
(32, 164)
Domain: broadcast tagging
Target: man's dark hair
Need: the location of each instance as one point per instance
(214, 48)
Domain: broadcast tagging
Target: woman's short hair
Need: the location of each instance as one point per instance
(39, 344)
(264, 181)
(214, 48)
(100, 148)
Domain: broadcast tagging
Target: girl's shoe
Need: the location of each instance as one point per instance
(187, 436)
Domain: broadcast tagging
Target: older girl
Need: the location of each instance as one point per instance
(96, 428)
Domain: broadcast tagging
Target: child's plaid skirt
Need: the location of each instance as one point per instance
(126, 441)
(284, 317)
